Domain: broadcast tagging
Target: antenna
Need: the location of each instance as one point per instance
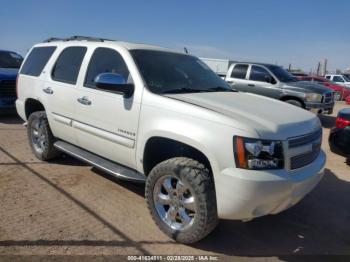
(185, 49)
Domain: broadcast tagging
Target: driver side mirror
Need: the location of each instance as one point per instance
(114, 83)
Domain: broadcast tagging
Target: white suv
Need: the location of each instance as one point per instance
(149, 114)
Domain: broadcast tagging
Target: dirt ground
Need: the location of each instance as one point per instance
(69, 208)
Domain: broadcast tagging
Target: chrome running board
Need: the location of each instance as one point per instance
(101, 163)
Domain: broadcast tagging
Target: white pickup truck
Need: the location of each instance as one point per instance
(153, 115)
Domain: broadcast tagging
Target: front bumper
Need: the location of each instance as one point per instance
(246, 194)
(320, 108)
(21, 109)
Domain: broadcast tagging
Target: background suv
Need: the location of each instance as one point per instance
(275, 82)
(9, 65)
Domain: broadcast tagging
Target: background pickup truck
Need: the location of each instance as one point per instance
(9, 65)
(275, 82)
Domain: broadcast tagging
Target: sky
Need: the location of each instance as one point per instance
(298, 32)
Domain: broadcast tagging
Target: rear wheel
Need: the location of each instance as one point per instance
(181, 198)
(294, 103)
(40, 136)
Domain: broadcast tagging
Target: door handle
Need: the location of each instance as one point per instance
(251, 85)
(84, 100)
(229, 81)
(48, 90)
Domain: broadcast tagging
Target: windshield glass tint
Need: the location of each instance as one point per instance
(10, 60)
(166, 72)
(282, 74)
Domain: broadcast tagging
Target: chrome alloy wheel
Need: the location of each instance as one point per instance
(39, 139)
(174, 202)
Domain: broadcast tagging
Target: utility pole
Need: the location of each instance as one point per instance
(318, 68)
(325, 67)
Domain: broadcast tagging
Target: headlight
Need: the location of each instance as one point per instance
(258, 154)
(313, 97)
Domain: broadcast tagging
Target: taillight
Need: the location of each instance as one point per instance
(342, 123)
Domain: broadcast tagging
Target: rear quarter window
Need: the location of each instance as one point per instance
(36, 60)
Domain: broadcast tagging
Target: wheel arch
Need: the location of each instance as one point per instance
(160, 148)
(32, 105)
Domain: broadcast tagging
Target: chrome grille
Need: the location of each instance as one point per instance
(8, 88)
(312, 140)
(304, 140)
(305, 159)
(337, 95)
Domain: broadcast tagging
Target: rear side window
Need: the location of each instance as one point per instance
(36, 60)
(328, 77)
(106, 60)
(239, 71)
(68, 64)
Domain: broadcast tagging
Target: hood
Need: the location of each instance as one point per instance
(307, 86)
(346, 84)
(8, 73)
(270, 118)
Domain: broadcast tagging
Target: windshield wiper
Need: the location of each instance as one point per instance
(221, 89)
(183, 90)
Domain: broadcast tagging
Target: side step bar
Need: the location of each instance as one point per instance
(103, 164)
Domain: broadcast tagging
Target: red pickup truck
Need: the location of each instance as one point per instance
(341, 91)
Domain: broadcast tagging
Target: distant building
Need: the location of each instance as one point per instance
(219, 66)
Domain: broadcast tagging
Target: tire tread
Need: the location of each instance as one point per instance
(201, 180)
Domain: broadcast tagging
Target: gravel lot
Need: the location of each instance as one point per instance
(68, 208)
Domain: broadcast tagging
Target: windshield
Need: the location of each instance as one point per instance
(347, 79)
(10, 60)
(166, 72)
(282, 74)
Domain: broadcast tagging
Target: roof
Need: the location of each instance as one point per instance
(257, 63)
(95, 41)
(132, 46)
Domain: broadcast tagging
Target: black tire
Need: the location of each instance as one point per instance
(295, 103)
(198, 179)
(47, 150)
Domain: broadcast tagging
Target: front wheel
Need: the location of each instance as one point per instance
(181, 197)
(294, 103)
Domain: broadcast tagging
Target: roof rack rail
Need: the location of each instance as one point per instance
(77, 38)
(51, 39)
